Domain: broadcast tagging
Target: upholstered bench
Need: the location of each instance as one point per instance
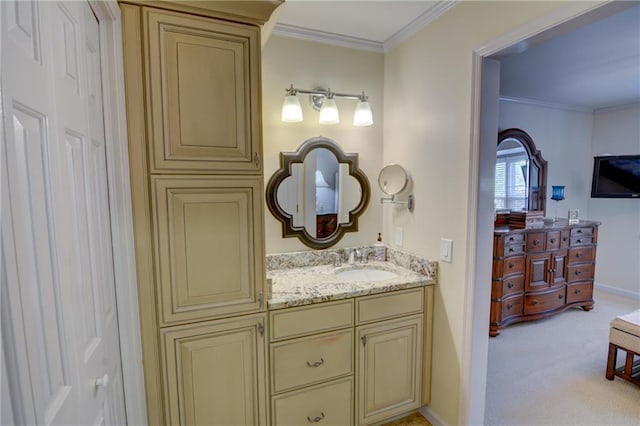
(625, 335)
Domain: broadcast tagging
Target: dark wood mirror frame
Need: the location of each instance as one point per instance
(286, 161)
(537, 199)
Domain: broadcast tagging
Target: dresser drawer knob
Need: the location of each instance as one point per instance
(560, 296)
(578, 272)
(534, 302)
(578, 241)
(536, 242)
(579, 231)
(315, 364)
(511, 249)
(577, 291)
(510, 285)
(579, 255)
(511, 239)
(553, 241)
(509, 306)
(315, 419)
(511, 265)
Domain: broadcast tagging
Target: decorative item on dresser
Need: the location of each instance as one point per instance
(541, 271)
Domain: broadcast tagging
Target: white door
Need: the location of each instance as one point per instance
(60, 343)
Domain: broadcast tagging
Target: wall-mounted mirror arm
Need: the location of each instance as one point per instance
(410, 203)
(393, 179)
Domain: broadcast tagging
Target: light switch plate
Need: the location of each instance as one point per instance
(446, 249)
(399, 237)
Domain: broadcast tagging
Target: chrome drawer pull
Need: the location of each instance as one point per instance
(315, 419)
(315, 364)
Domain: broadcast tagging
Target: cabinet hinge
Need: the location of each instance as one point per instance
(261, 328)
(260, 300)
(256, 159)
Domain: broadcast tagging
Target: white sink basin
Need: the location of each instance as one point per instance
(365, 274)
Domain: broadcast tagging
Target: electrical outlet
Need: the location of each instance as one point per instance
(446, 249)
(399, 237)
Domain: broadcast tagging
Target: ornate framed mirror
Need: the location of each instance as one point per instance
(521, 173)
(318, 193)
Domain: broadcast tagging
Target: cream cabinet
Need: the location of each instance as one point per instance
(192, 81)
(354, 361)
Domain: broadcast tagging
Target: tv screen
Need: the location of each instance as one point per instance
(616, 177)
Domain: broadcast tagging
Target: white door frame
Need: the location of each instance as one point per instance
(473, 375)
(108, 13)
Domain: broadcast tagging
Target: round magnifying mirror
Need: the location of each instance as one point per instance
(393, 179)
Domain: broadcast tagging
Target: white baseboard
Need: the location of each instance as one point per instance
(617, 291)
(433, 418)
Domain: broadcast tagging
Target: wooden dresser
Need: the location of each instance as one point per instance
(541, 271)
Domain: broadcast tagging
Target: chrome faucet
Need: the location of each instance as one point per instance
(338, 259)
(365, 255)
(353, 256)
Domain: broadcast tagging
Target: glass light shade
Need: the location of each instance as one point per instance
(557, 193)
(362, 115)
(329, 112)
(291, 110)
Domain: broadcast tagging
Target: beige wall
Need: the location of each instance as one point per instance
(428, 129)
(307, 65)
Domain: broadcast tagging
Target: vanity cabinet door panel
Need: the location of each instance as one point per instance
(210, 256)
(216, 373)
(538, 270)
(389, 368)
(204, 85)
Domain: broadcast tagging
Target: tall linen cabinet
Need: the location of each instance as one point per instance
(192, 80)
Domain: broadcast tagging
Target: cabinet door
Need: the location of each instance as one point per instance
(389, 368)
(204, 85)
(215, 372)
(538, 270)
(558, 274)
(209, 246)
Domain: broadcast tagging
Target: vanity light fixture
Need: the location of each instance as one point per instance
(324, 101)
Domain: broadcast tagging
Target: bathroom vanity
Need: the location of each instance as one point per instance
(349, 344)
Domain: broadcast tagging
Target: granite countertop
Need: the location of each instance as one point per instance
(315, 284)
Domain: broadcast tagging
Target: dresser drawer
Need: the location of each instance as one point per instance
(580, 232)
(514, 249)
(327, 404)
(581, 254)
(580, 273)
(553, 240)
(389, 305)
(579, 292)
(514, 238)
(509, 266)
(535, 241)
(512, 285)
(511, 307)
(310, 360)
(581, 240)
(296, 322)
(541, 302)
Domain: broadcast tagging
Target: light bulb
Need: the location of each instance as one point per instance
(329, 112)
(362, 115)
(291, 110)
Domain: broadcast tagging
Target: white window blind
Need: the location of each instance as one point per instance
(511, 183)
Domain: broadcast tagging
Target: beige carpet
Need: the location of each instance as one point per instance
(415, 419)
(551, 371)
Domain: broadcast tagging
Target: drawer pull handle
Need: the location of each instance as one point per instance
(579, 255)
(578, 272)
(509, 306)
(536, 242)
(577, 291)
(535, 302)
(553, 241)
(511, 265)
(511, 239)
(579, 231)
(510, 285)
(315, 364)
(578, 241)
(560, 296)
(564, 239)
(511, 249)
(315, 419)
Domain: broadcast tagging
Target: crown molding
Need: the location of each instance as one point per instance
(419, 23)
(294, 31)
(618, 107)
(545, 104)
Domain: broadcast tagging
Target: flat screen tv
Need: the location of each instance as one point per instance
(616, 176)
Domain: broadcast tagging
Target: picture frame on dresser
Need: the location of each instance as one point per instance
(573, 216)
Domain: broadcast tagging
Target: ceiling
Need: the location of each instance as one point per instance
(594, 67)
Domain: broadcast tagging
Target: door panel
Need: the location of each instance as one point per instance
(216, 373)
(203, 80)
(60, 323)
(537, 271)
(209, 262)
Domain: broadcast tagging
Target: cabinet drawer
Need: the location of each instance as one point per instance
(514, 249)
(535, 241)
(582, 254)
(579, 232)
(389, 305)
(508, 266)
(541, 302)
(580, 273)
(311, 360)
(512, 285)
(514, 238)
(579, 292)
(511, 307)
(326, 404)
(296, 322)
(553, 240)
(581, 241)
